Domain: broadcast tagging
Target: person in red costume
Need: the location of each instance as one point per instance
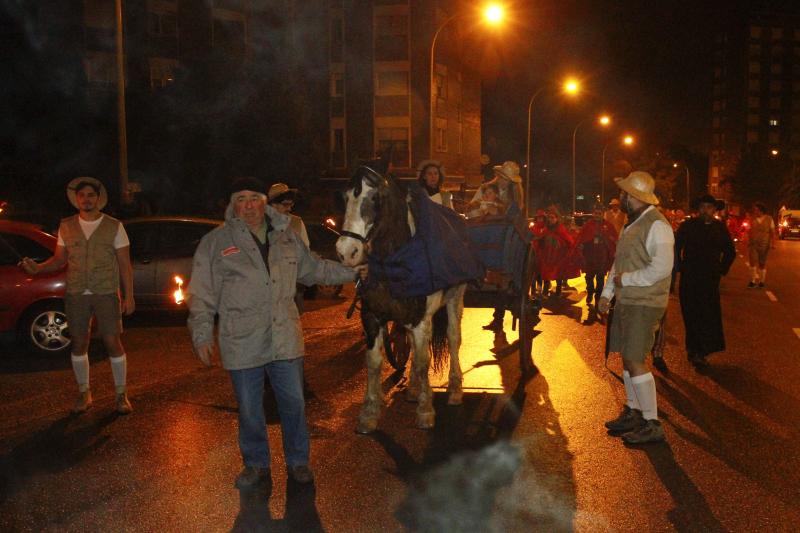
(597, 243)
(554, 248)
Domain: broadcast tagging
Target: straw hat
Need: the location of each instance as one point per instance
(508, 170)
(82, 181)
(280, 192)
(640, 185)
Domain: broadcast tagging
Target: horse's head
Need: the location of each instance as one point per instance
(360, 213)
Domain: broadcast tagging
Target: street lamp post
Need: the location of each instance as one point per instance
(604, 121)
(627, 140)
(570, 87)
(121, 124)
(688, 190)
(493, 14)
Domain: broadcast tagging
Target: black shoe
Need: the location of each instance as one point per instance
(660, 364)
(751, 285)
(651, 431)
(300, 474)
(698, 360)
(253, 476)
(628, 420)
(761, 285)
(494, 325)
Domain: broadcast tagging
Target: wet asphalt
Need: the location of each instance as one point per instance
(518, 455)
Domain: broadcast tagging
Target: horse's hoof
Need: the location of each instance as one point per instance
(425, 421)
(365, 428)
(455, 398)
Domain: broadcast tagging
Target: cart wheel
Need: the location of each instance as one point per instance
(397, 345)
(528, 313)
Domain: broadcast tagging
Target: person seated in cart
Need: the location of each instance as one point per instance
(509, 189)
(488, 206)
(430, 177)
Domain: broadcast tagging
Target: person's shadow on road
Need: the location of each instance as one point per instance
(301, 510)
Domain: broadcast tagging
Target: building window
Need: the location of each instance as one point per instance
(337, 39)
(162, 24)
(338, 154)
(441, 134)
(392, 83)
(775, 86)
(773, 122)
(717, 105)
(752, 137)
(776, 50)
(752, 120)
(337, 84)
(775, 102)
(776, 68)
(162, 71)
(718, 72)
(777, 33)
(754, 49)
(755, 32)
(753, 102)
(754, 85)
(796, 86)
(391, 37)
(754, 67)
(715, 139)
(398, 139)
(440, 79)
(774, 137)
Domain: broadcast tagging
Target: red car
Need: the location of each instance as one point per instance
(31, 306)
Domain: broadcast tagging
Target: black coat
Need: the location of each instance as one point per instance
(703, 254)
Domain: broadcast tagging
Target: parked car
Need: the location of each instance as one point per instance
(789, 228)
(31, 307)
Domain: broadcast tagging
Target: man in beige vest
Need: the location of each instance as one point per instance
(95, 249)
(640, 279)
(760, 237)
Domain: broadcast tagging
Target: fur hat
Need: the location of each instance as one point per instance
(79, 183)
(246, 184)
(640, 185)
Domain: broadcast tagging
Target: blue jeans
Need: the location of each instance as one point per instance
(286, 378)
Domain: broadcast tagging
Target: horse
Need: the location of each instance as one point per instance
(378, 220)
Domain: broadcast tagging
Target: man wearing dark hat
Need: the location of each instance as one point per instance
(245, 272)
(640, 279)
(704, 253)
(95, 248)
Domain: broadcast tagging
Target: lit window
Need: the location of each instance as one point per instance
(773, 122)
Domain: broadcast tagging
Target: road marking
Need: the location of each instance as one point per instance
(796, 331)
(771, 296)
(740, 255)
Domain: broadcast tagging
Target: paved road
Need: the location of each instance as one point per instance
(528, 456)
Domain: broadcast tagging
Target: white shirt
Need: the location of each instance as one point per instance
(660, 244)
(88, 227)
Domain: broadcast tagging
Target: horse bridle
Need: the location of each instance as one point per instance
(374, 178)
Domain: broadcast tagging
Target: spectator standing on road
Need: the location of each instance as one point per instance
(597, 242)
(639, 278)
(431, 176)
(553, 249)
(704, 253)
(245, 271)
(615, 216)
(282, 199)
(760, 237)
(96, 250)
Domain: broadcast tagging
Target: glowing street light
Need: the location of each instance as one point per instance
(603, 120)
(571, 87)
(774, 152)
(627, 140)
(493, 15)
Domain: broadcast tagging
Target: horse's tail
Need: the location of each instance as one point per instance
(439, 345)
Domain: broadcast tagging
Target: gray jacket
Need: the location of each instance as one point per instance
(258, 319)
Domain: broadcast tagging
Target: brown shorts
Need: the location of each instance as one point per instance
(105, 308)
(758, 256)
(633, 330)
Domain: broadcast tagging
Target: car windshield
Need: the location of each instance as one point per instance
(793, 222)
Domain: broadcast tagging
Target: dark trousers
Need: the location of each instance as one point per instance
(594, 284)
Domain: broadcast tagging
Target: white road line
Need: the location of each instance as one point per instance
(771, 296)
(740, 255)
(796, 331)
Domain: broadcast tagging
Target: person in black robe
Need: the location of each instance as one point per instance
(704, 253)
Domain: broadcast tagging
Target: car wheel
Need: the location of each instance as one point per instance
(44, 328)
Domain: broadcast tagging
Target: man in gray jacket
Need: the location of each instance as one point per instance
(245, 271)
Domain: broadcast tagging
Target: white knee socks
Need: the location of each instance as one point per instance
(632, 402)
(80, 365)
(644, 387)
(763, 273)
(119, 367)
(754, 274)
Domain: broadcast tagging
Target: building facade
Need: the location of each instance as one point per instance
(756, 94)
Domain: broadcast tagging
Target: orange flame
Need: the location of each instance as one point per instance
(178, 294)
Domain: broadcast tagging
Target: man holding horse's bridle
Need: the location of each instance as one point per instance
(245, 271)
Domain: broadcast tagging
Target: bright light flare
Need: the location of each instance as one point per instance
(604, 120)
(572, 87)
(774, 152)
(178, 294)
(330, 222)
(493, 13)
(628, 140)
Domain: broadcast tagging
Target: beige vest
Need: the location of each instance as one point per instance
(91, 264)
(760, 232)
(632, 255)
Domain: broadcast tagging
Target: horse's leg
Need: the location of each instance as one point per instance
(455, 310)
(373, 399)
(422, 340)
(412, 389)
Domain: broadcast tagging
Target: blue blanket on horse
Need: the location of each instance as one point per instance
(438, 256)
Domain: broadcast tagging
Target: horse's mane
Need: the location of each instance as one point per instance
(391, 230)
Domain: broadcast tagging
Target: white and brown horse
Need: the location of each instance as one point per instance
(378, 220)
